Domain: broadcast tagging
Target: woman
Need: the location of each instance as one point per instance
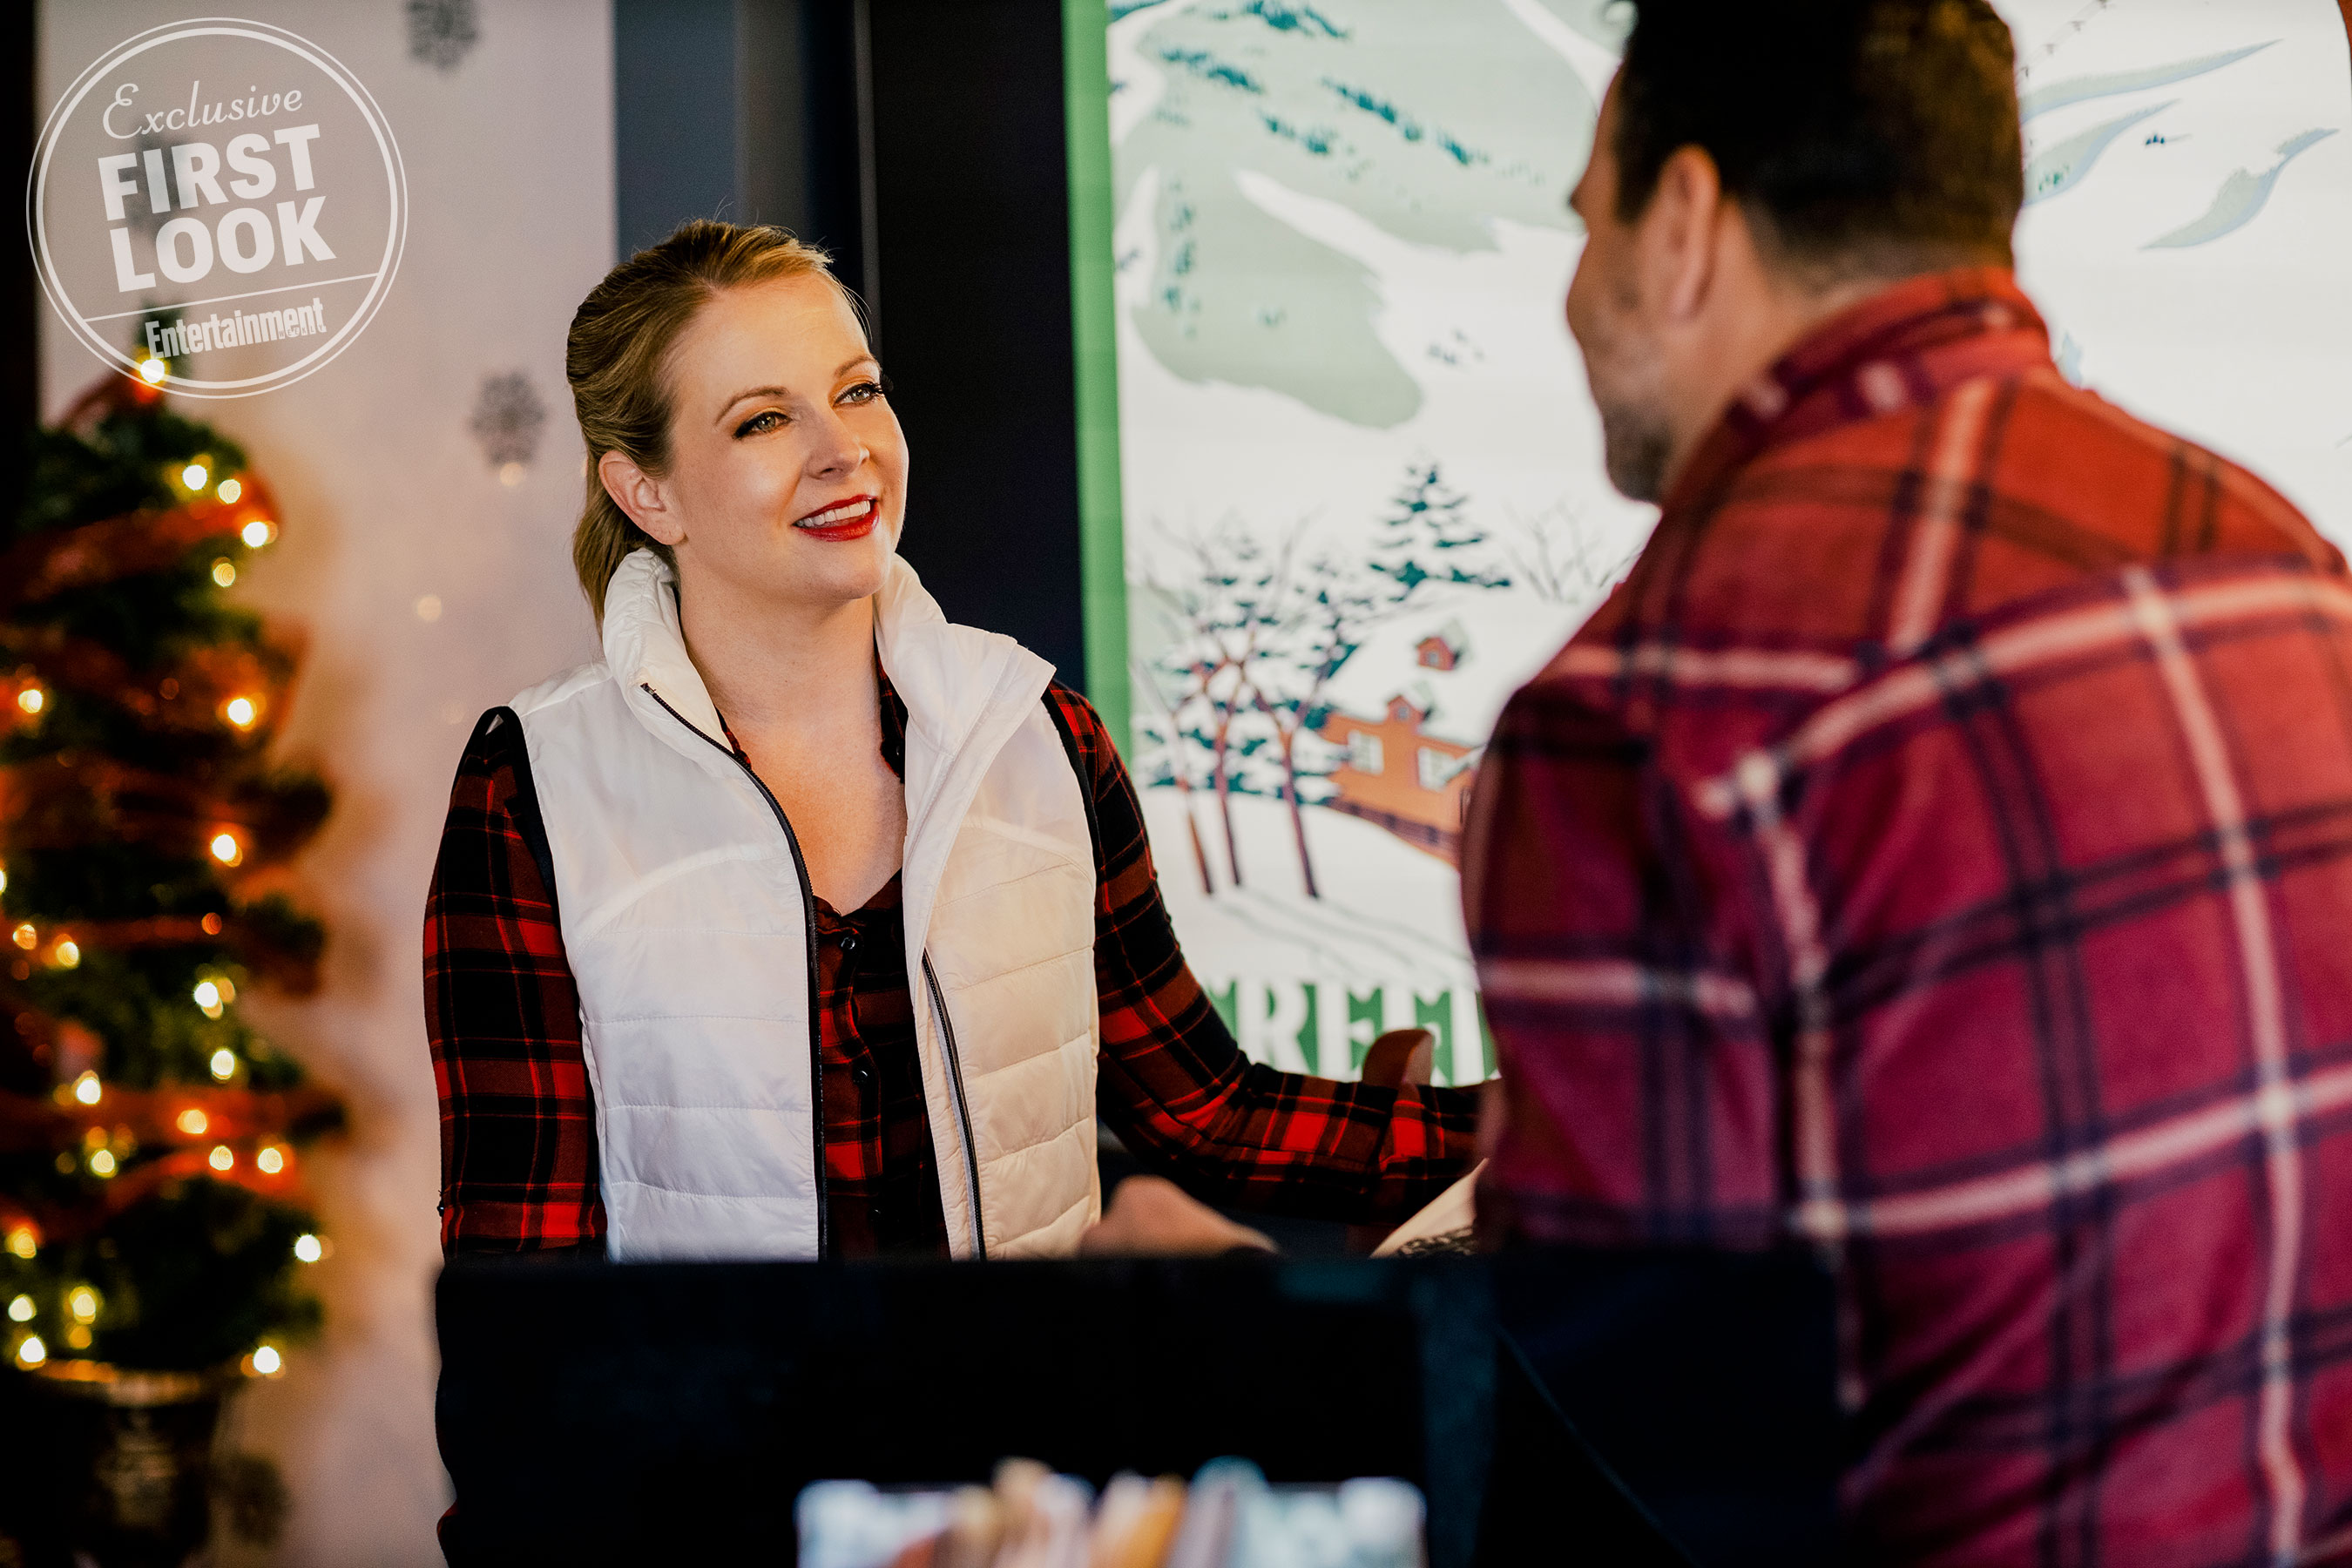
(806, 924)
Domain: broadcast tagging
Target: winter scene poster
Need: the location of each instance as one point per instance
(1360, 472)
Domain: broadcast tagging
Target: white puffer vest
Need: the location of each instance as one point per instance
(687, 919)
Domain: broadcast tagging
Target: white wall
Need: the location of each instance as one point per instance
(386, 498)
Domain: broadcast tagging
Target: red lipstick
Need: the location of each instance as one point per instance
(853, 517)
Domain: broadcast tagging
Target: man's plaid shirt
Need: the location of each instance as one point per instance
(519, 1162)
(1940, 849)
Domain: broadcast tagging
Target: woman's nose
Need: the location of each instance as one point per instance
(839, 450)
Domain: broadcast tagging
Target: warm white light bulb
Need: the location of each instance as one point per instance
(271, 1161)
(222, 1158)
(207, 996)
(266, 1360)
(229, 490)
(152, 370)
(226, 849)
(241, 712)
(22, 1243)
(194, 476)
(306, 1247)
(32, 1352)
(87, 1088)
(101, 1164)
(68, 953)
(224, 572)
(195, 1122)
(31, 699)
(258, 533)
(20, 1310)
(223, 1066)
(82, 1303)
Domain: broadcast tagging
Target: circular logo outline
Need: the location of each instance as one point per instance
(396, 180)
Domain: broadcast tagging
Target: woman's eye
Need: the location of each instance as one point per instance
(766, 419)
(867, 390)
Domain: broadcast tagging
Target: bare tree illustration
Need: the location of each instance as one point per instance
(1562, 555)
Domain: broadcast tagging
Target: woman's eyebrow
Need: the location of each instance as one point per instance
(752, 392)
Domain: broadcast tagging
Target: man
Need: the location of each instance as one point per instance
(1940, 848)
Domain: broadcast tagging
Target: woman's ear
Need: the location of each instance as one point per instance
(639, 495)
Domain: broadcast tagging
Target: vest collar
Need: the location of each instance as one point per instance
(965, 689)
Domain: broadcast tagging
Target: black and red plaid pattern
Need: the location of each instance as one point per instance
(1940, 849)
(517, 1124)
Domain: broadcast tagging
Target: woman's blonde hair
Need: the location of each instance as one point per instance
(617, 359)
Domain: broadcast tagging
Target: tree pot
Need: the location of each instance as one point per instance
(127, 1462)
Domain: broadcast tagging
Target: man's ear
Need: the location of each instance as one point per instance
(637, 493)
(1680, 231)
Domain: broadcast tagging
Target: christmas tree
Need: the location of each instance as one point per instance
(151, 1178)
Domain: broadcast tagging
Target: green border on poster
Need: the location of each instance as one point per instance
(1094, 334)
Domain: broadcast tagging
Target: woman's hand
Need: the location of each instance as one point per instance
(1151, 1217)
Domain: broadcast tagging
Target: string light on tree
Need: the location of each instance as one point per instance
(21, 1310)
(148, 807)
(306, 1247)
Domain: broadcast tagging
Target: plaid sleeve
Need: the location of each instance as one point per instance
(518, 1121)
(1178, 1091)
(1638, 1092)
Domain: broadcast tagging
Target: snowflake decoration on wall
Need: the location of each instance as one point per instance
(440, 32)
(507, 417)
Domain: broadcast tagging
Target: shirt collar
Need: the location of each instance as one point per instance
(1901, 348)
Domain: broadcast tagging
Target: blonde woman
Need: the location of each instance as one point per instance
(806, 924)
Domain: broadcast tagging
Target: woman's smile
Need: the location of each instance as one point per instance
(851, 519)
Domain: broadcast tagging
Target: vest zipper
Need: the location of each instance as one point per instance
(808, 912)
(963, 1115)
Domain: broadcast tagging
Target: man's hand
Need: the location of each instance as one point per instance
(1150, 1216)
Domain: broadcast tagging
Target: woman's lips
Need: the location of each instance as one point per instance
(851, 519)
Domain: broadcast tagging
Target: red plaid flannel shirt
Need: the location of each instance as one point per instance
(1940, 849)
(518, 1163)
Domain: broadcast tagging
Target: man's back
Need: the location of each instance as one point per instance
(1941, 848)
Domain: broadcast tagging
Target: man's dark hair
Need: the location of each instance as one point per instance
(1868, 136)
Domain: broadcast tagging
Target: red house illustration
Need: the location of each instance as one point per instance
(1443, 649)
(1400, 777)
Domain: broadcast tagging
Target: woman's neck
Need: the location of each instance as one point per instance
(781, 670)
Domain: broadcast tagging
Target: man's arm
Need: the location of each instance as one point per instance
(1178, 1091)
(518, 1121)
(1639, 1096)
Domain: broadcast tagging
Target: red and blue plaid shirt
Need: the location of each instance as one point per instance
(518, 1161)
(1940, 849)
